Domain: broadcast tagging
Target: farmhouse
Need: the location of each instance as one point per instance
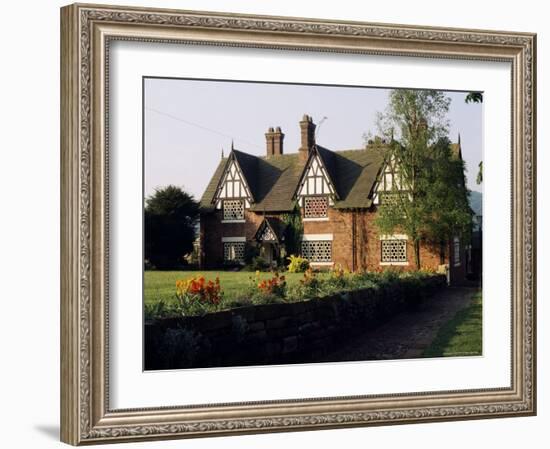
(252, 201)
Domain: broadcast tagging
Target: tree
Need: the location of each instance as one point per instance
(170, 219)
(474, 97)
(294, 230)
(430, 201)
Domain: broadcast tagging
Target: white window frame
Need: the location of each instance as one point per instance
(400, 237)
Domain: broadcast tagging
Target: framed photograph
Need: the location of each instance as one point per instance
(278, 224)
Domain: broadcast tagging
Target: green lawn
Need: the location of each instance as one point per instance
(462, 335)
(161, 285)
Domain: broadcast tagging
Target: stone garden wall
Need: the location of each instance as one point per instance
(278, 333)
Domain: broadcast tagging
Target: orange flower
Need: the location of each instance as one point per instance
(200, 289)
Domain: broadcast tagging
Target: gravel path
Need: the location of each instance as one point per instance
(408, 334)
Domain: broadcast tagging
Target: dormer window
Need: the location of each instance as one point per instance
(233, 210)
(315, 207)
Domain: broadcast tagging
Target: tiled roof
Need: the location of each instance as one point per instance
(273, 180)
(210, 191)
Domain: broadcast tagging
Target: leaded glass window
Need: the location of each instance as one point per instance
(315, 206)
(317, 251)
(394, 250)
(233, 251)
(233, 209)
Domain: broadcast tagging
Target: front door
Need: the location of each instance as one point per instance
(267, 252)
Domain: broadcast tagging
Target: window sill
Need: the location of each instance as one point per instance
(322, 264)
(401, 264)
(234, 221)
(315, 219)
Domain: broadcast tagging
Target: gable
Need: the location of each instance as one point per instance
(233, 185)
(347, 177)
(265, 233)
(389, 179)
(315, 179)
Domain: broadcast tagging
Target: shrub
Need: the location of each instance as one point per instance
(275, 286)
(245, 301)
(308, 287)
(264, 291)
(251, 251)
(338, 278)
(259, 263)
(268, 298)
(297, 264)
(160, 309)
(197, 296)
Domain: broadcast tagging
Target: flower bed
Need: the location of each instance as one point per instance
(198, 295)
(288, 329)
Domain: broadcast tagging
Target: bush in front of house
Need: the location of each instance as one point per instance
(197, 296)
(259, 263)
(308, 287)
(297, 264)
(267, 291)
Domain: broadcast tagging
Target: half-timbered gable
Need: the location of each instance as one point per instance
(271, 230)
(315, 179)
(266, 234)
(390, 183)
(233, 194)
(316, 190)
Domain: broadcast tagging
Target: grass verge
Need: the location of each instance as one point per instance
(460, 336)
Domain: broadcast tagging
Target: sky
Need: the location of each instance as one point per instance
(189, 122)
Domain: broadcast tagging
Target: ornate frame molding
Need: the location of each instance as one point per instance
(86, 33)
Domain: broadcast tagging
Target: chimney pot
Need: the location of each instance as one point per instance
(274, 141)
(307, 132)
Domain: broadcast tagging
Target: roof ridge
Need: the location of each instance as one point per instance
(272, 180)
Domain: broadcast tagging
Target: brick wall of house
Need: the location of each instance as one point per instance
(367, 253)
(212, 230)
(361, 253)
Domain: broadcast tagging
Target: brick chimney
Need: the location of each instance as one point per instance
(274, 141)
(307, 131)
